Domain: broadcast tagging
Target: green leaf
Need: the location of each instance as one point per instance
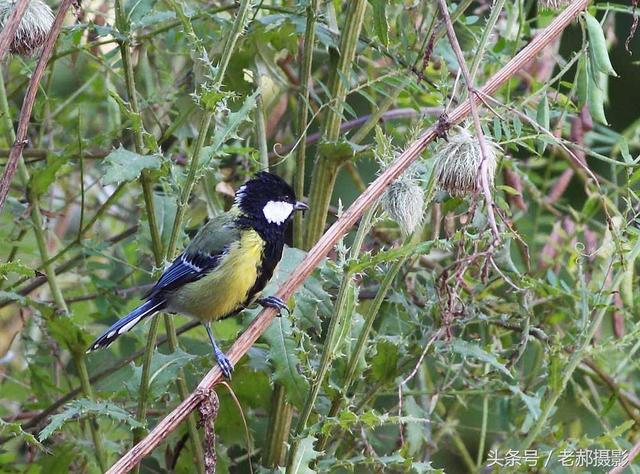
(284, 358)
(542, 117)
(303, 456)
(229, 129)
(339, 151)
(385, 363)
(468, 349)
(69, 334)
(40, 180)
(15, 429)
(163, 372)
(532, 403)
(124, 165)
(380, 20)
(15, 267)
(82, 408)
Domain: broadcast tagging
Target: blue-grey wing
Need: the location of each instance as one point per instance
(186, 268)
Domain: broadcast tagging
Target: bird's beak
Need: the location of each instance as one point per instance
(300, 206)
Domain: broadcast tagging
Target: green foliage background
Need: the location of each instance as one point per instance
(528, 344)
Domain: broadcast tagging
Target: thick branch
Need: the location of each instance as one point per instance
(335, 232)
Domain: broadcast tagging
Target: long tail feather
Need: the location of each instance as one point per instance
(127, 323)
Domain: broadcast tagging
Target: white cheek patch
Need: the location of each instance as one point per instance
(276, 212)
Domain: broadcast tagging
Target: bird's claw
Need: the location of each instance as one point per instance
(225, 364)
(274, 302)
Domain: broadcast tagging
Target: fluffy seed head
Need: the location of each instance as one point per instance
(553, 4)
(403, 201)
(458, 163)
(32, 30)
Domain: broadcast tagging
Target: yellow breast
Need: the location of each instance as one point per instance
(225, 289)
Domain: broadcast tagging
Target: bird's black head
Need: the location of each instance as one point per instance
(268, 201)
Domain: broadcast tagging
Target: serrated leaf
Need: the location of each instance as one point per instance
(68, 333)
(229, 129)
(542, 117)
(531, 402)
(283, 356)
(304, 455)
(468, 349)
(15, 430)
(124, 165)
(78, 409)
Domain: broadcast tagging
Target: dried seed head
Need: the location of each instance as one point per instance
(32, 30)
(403, 201)
(553, 4)
(458, 163)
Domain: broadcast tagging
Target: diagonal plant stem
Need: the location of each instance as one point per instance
(320, 250)
(483, 172)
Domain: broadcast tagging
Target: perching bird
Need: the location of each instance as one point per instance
(226, 265)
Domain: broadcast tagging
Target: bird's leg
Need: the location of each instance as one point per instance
(223, 361)
(274, 302)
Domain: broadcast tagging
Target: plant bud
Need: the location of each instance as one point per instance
(33, 28)
(403, 201)
(553, 4)
(458, 160)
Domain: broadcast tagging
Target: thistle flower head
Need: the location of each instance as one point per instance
(33, 28)
(403, 201)
(458, 163)
(553, 4)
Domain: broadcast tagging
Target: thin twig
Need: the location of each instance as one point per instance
(334, 233)
(484, 151)
(29, 100)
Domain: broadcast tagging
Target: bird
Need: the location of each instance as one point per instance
(225, 266)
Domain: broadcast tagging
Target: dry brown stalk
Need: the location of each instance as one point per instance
(334, 233)
(29, 100)
(483, 172)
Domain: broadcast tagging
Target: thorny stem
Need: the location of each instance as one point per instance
(484, 171)
(232, 39)
(304, 76)
(363, 337)
(282, 413)
(325, 169)
(340, 323)
(123, 25)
